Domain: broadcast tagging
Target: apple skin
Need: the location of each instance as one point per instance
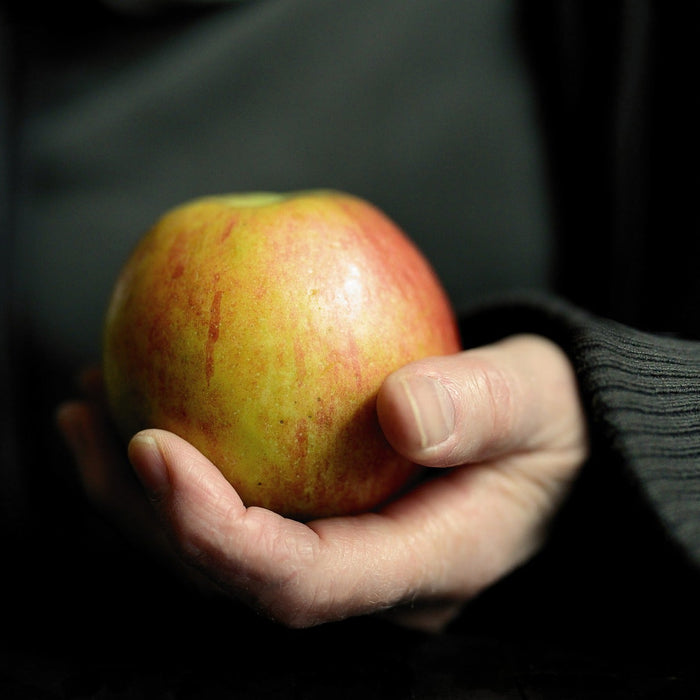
(259, 327)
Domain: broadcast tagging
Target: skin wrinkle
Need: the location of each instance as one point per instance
(267, 544)
(291, 596)
(512, 473)
(472, 551)
(434, 532)
(197, 531)
(431, 577)
(387, 582)
(494, 390)
(520, 493)
(244, 575)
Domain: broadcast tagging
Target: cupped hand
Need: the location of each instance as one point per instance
(502, 428)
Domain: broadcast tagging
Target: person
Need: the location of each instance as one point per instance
(569, 424)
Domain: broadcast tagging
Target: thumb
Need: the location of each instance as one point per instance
(515, 395)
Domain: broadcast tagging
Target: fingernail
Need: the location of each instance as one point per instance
(432, 409)
(148, 463)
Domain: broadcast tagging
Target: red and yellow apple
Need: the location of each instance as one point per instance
(259, 327)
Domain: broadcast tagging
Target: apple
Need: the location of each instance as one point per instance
(259, 327)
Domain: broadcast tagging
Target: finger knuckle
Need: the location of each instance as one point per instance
(493, 388)
(293, 595)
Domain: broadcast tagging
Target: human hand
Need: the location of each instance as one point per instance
(505, 417)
